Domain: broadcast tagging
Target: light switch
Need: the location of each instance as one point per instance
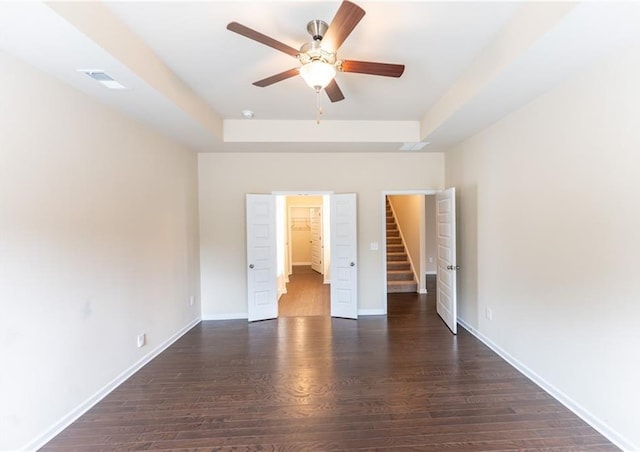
(373, 246)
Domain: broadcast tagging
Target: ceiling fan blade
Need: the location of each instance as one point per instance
(368, 67)
(343, 23)
(333, 91)
(277, 78)
(262, 39)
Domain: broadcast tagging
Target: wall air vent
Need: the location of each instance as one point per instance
(102, 78)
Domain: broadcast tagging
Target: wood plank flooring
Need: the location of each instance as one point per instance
(306, 294)
(396, 382)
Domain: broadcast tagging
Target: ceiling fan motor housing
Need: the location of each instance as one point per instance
(317, 29)
(313, 51)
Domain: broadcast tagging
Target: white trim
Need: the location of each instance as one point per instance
(371, 312)
(303, 193)
(85, 406)
(431, 272)
(557, 394)
(383, 255)
(232, 316)
(422, 291)
(412, 192)
(300, 263)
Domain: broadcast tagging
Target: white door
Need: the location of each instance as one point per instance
(262, 278)
(446, 239)
(344, 268)
(315, 217)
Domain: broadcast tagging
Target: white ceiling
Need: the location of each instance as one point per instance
(467, 65)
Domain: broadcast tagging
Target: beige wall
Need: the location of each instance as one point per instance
(431, 243)
(549, 221)
(98, 243)
(225, 179)
(300, 234)
(306, 200)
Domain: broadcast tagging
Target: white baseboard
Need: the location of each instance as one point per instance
(232, 316)
(557, 394)
(300, 263)
(422, 291)
(245, 316)
(85, 406)
(365, 312)
(432, 272)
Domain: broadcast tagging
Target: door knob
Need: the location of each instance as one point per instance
(251, 265)
(352, 264)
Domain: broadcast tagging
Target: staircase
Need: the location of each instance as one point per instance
(399, 274)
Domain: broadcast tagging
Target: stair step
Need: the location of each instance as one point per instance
(401, 287)
(396, 256)
(395, 248)
(400, 275)
(398, 265)
(394, 241)
(393, 233)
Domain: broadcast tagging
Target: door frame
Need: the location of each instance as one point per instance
(383, 221)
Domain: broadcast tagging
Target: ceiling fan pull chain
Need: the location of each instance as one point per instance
(319, 111)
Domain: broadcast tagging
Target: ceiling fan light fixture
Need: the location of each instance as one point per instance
(317, 74)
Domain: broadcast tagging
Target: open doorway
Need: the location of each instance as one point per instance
(305, 289)
(267, 245)
(410, 243)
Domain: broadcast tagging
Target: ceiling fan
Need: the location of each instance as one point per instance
(318, 58)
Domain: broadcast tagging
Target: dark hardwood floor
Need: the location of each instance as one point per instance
(396, 382)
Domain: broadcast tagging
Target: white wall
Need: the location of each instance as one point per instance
(226, 178)
(98, 243)
(549, 216)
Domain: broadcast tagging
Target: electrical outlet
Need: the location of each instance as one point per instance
(141, 340)
(488, 313)
(192, 300)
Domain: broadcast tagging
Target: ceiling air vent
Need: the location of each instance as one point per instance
(103, 79)
(414, 146)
